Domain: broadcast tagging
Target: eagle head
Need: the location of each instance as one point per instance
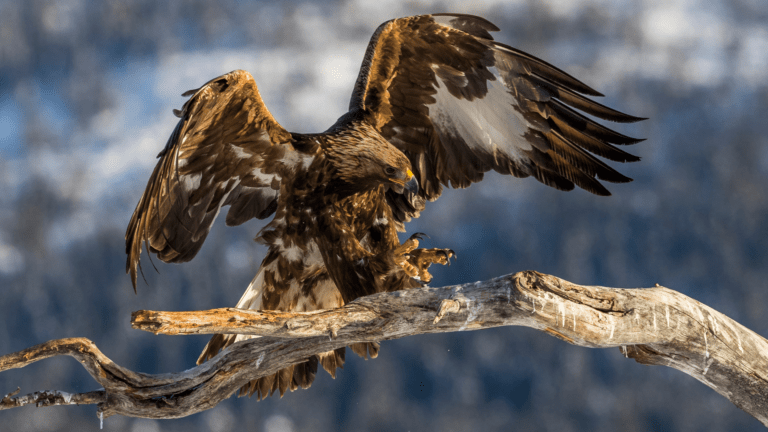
(364, 159)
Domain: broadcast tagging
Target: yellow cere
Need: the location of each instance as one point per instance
(410, 174)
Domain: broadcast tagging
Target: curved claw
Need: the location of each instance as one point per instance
(453, 255)
(419, 235)
(447, 254)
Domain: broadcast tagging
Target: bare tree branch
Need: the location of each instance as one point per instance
(52, 398)
(653, 326)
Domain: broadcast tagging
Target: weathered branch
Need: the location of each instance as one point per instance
(52, 398)
(653, 326)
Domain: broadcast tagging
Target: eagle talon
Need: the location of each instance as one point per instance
(409, 269)
(449, 253)
(406, 248)
(416, 263)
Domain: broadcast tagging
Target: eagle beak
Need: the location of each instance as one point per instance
(412, 185)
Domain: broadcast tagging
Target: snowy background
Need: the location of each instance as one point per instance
(86, 93)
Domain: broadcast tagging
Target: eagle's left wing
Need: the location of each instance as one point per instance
(459, 104)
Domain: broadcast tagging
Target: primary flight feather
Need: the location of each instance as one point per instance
(437, 103)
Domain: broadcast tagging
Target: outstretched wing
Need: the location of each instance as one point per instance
(225, 150)
(459, 104)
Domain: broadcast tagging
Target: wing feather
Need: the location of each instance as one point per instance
(459, 104)
(226, 150)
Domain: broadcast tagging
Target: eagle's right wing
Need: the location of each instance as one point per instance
(227, 149)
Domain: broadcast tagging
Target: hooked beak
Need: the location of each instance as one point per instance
(412, 185)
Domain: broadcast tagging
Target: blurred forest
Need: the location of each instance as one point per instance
(86, 93)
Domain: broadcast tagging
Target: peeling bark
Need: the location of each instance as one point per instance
(655, 326)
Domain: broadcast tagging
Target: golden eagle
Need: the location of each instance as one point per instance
(437, 103)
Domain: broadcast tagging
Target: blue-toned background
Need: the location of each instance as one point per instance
(86, 93)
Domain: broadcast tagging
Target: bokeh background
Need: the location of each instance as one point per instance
(86, 93)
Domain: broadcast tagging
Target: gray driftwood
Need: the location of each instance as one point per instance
(654, 326)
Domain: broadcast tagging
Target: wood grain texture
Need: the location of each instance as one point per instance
(653, 326)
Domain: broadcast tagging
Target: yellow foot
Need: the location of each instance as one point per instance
(421, 259)
(402, 254)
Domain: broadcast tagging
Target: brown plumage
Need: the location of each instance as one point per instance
(437, 101)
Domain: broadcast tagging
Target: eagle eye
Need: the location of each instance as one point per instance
(390, 170)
